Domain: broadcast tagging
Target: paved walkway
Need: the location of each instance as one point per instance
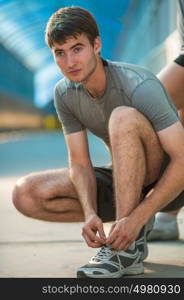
(32, 248)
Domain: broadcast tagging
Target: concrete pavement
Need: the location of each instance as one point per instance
(33, 248)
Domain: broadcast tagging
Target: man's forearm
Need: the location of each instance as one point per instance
(84, 180)
(170, 185)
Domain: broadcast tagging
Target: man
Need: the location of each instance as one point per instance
(128, 108)
(172, 77)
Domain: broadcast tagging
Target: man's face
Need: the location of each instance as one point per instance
(77, 58)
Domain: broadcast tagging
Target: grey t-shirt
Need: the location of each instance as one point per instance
(126, 85)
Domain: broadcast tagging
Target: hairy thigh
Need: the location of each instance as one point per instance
(48, 184)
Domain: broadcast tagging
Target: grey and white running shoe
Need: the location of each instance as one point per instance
(110, 263)
(141, 241)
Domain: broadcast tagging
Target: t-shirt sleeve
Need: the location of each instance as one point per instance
(70, 123)
(151, 99)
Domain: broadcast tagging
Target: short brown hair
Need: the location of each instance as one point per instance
(70, 21)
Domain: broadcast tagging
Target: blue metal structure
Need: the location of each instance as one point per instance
(22, 26)
(11, 81)
(148, 25)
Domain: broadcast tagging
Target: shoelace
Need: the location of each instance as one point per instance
(104, 253)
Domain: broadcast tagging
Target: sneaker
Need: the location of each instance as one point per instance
(110, 263)
(165, 228)
(141, 242)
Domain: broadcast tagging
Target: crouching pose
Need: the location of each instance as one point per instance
(129, 109)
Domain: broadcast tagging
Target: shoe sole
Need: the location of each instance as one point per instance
(136, 269)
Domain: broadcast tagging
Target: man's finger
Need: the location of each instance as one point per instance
(90, 243)
(101, 233)
(112, 228)
(123, 246)
(111, 238)
(116, 243)
(92, 236)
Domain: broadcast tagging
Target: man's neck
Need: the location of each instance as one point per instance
(97, 82)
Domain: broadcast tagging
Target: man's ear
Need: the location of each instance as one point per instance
(97, 45)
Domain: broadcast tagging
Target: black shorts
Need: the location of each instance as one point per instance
(105, 195)
(180, 60)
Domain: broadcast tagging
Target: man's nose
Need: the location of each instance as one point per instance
(70, 61)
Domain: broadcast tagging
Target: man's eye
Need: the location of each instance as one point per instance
(77, 49)
(60, 53)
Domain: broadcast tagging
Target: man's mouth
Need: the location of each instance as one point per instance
(74, 72)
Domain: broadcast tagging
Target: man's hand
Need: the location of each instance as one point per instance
(93, 232)
(122, 233)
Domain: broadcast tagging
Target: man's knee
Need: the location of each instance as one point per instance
(124, 118)
(21, 196)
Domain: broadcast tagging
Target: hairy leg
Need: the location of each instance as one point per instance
(137, 157)
(48, 195)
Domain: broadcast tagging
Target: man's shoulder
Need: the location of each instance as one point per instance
(130, 70)
(128, 77)
(64, 85)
